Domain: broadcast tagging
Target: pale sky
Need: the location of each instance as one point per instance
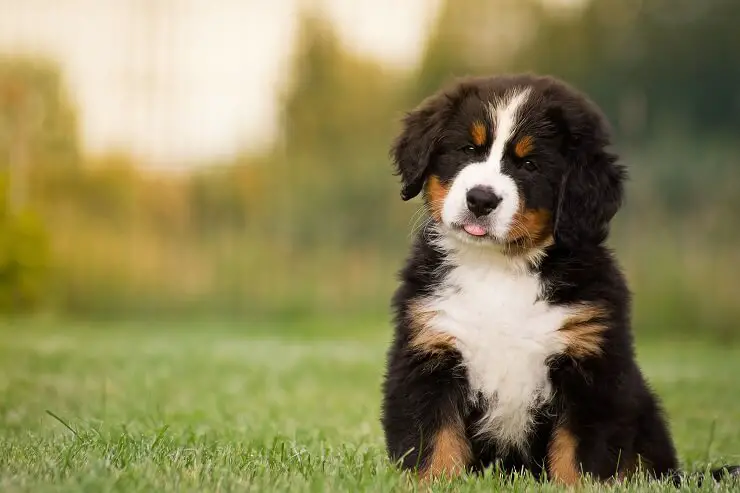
(178, 81)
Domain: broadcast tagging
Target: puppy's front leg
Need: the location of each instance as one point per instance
(423, 413)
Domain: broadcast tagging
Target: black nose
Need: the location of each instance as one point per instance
(482, 200)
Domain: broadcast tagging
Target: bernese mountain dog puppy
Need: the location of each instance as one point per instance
(512, 339)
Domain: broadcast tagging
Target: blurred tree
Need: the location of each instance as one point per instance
(39, 141)
(646, 62)
(37, 137)
(54, 137)
(474, 37)
(24, 257)
(335, 134)
(217, 201)
(335, 101)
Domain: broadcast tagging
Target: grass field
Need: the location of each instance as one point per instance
(210, 407)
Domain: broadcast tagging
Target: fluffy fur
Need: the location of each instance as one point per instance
(512, 338)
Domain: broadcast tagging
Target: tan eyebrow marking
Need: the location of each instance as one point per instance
(478, 132)
(524, 146)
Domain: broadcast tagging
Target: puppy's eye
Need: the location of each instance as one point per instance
(469, 149)
(529, 165)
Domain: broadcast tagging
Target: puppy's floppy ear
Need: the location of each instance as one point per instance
(413, 150)
(592, 187)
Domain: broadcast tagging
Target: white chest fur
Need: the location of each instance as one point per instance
(505, 335)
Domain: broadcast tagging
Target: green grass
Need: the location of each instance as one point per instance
(214, 408)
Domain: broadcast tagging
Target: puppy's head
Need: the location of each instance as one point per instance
(514, 161)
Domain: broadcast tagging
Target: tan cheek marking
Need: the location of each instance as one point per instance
(561, 457)
(436, 193)
(584, 331)
(479, 134)
(531, 227)
(451, 453)
(524, 146)
(423, 338)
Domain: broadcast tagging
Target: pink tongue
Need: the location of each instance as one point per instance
(474, 229)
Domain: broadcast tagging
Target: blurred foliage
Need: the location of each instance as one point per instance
(35, 85)
(315, 224)
(24, 258)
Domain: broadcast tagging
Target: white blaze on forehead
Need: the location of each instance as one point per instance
(505, 114)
